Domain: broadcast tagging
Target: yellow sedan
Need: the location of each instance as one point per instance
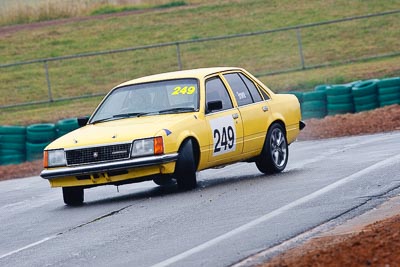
(169, 126)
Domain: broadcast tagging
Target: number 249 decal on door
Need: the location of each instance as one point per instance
(224, 135)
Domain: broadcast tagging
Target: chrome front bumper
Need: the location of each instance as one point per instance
(108, 166)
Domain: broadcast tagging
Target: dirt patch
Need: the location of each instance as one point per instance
(375, 121)
(378, 244)
(25, 169)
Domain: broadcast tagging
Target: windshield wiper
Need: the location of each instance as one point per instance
(122, 116)
(177, 110)
(133, 114)
(103, 120)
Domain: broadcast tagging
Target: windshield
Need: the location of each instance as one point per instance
(163, 97)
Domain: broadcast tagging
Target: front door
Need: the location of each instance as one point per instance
(225, 125)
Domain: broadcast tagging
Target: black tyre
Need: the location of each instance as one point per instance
(185, 169)
(275, 152)
(163, 181)
(73, 196)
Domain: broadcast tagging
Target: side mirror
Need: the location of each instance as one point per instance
(82, 121)
(214, 105)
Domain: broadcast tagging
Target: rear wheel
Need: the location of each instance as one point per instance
(275, 152)
(73, 196)
(185, 169)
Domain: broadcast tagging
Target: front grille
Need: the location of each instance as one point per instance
(98, 154)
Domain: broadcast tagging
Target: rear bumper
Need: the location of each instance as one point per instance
(106, 167)
(301, 125)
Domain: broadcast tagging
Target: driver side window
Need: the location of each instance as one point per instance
(215, 90)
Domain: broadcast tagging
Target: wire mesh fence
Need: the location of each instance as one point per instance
(263, 53)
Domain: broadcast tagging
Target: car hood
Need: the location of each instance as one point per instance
(120, 131)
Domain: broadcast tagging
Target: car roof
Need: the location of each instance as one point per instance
(192, 73)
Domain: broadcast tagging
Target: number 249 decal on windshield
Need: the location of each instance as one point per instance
(186, 90)
(224, 135)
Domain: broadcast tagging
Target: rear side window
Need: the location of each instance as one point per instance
(239, 89)
(252, 88)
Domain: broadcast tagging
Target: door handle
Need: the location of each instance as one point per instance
(265, 108)
(235, 115)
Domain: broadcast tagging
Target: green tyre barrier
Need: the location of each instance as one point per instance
(360, 108)
(14, 130)
(335, 90)
(44, 127)
(389, 82)
(6, 151)
(365, 100)
(340, 99)
(389, 97)
(40, 137)
(388, 103)
(334, 109)
(61, 133)
(67, 125)
(313, 114)
(13, 138)
(363, 88)
(314, 106)
(35, 151)
(314, 96)
(388, 90)
(41, 133)
(299, 95)
(12, 159)
(13, 146)
(322, 87)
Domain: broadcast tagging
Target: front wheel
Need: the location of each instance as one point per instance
(275, 152)
(73, 196)
(185, 169)
(163, 181)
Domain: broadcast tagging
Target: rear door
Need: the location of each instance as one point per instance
(253, 108)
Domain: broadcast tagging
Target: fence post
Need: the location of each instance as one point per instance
(299, 43)
(46, 69)
(178, 56)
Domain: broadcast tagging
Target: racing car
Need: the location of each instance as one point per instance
(169, 126)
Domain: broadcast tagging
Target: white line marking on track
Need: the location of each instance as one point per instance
(28, 246)
(268, 216)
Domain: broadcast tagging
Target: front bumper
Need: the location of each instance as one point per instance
(108, 166)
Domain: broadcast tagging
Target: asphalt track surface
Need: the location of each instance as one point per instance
(235, 212)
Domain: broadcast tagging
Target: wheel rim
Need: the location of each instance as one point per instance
(278, 148)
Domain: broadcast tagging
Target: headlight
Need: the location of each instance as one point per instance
(54, 158)
(147, 147)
